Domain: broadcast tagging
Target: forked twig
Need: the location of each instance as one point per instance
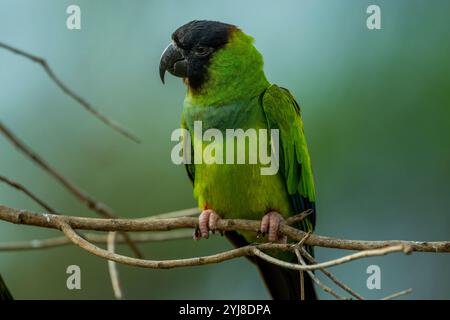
(315, 279)
(25, 190)
(82, 196)
(330, 275)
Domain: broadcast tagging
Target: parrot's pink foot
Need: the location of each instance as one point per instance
(207, 221)
(270, 225)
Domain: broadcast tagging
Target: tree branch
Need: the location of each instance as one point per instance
(31, 195)
(154, 224)
(68, 224)
(398, 294)
(250, 250)
(331, 263)
(182, 219)
(39, 244)
(330, 275)
(112, 267)
(86, 105)
(82, 196)
(315, 279)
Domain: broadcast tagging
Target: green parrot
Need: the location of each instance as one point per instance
(227, 89)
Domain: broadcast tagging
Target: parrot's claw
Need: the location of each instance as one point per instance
(270, 225)
(207, 221)
(196, 235)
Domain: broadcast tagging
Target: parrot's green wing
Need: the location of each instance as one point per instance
(190, 167)
(283, 113)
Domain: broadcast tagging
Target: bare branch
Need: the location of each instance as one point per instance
(112, 267)
(250, 250)
(110, 238)
(302, 285)
(82, 196)
(67, 224)
(151, 224)
(298, 217)
(86, 105)
(91, 203)
(179, 213)
(315, 279)
(398, 294)
(39, 244)
(20, 187)
(156, 264)
(330, 275)
(330, 263)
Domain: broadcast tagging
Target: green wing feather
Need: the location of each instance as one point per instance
(283, 113)
(190, 167)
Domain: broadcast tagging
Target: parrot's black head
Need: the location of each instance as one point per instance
(190, 52)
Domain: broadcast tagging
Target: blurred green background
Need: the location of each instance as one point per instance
(376, 107)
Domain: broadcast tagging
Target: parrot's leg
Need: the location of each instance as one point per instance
(206, 221)
(270, 225)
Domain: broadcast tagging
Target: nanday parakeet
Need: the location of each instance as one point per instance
(227, 89)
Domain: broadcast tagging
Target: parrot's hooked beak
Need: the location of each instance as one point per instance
(173, 61)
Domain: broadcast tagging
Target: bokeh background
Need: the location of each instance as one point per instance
(376, 107)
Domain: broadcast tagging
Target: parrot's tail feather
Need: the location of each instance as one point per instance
(282, 283)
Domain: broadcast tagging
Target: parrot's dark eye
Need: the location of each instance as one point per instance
(202, 51)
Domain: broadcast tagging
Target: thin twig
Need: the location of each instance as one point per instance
(112, 267)
(298, 217)
(315, 279)
(330, 263)
(300, 245)
(86, 105)
(39, 244)
(79, 194)
(302, 285)
(82, 196)
(330, 275)
(397, 294)
(31, 195)
(178, 213)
